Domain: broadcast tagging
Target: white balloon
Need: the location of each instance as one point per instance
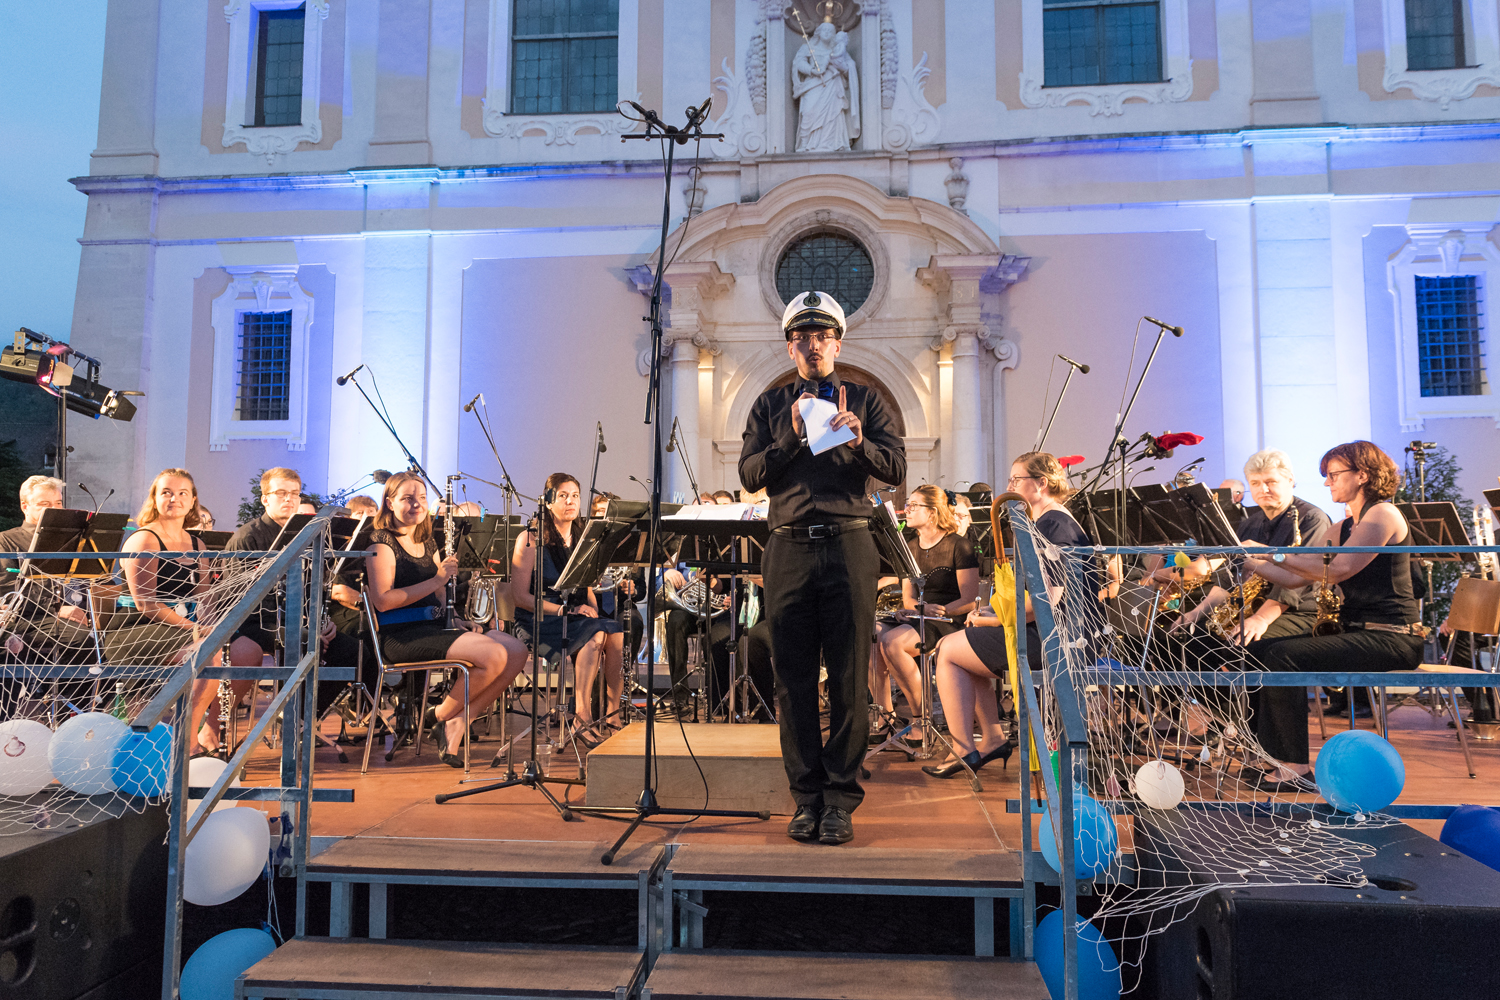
(24, 768)
(1159, 784)
(202, 773)
(82, 752)
(226, 857)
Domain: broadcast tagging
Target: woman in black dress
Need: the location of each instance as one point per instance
(951, 570)
(594, 642)
(1381, 622)
(968, 662)
(407, 581)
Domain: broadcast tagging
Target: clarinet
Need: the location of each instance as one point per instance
(450, 545)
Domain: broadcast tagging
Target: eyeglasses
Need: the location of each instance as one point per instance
(283, 494)
(1334, 474)
(803, 339)
(924, 506)
(1017, 479)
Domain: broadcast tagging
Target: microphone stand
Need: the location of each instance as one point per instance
(1117, 440)
(1055, 407)
(598, 450)
(411, 459)
(676, 445)
(647, 806)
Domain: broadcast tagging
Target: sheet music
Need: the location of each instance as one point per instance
(817, 414)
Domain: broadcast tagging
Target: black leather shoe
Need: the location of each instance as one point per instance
(804, 824)
(836, 826)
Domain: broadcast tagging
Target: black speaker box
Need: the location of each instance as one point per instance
(1426, 926)
(83, 910)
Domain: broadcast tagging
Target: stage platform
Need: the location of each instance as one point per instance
(740, 768)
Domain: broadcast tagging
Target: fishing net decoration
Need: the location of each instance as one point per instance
(72, 677)
(1227, 832)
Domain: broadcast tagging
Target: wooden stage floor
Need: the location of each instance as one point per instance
(903, 807)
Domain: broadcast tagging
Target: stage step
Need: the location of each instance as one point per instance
(983, 876)
(383, 861)
(359, 969)
(722, 975)
(741, 765)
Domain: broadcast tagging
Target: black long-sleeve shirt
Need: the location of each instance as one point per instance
(811, 489)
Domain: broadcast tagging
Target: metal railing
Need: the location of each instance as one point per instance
(1073, 737)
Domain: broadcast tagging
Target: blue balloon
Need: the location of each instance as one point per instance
(1098, 968)
(1475, 831)
(141, 760)
(218, 962)
(1095, 838)
(1360, 772)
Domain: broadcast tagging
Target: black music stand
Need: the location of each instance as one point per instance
(1435, 523)
(215, 541)
(723, 546)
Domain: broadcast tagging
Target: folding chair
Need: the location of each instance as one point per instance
(428, 666)
(1475, 609)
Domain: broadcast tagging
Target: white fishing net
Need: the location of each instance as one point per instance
(1227, 831)
(78, 662)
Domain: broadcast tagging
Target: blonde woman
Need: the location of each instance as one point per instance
(951, 572)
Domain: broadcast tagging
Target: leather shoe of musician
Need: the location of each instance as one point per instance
(804, 824)
(836, 827)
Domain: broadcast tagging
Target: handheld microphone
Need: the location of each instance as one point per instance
(599, 430)
(469, 407)
(1175, 331)
(1082, 369)
(344, 378)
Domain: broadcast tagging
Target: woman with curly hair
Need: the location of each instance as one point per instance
(1380, 618)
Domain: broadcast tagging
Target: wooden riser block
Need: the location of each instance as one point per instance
(741, 763)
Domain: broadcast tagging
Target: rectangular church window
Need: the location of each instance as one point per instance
(564, 56)
(1434, 34)
(1449, 347)
(263, 366)
(1090, 42)
(278, 66)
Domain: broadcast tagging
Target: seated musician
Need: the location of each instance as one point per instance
(968, 662)
(1278, 715)
(38, 619)
(1380, 620)
(159, 627)
(951, 570)
(596, 644)
(407, 586)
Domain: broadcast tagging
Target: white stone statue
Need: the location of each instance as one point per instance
(825, 85)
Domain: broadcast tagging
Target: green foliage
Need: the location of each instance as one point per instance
(1441, 482)
(13, 472)
(250, 507)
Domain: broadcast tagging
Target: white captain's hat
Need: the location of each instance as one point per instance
(813, 309)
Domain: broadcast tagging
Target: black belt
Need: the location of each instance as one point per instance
(1416, 629)
(813, 532)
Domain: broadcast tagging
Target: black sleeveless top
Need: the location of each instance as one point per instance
(175, 581)
(410, 570)
(554, 558)
(940, 565)
(1381, 592)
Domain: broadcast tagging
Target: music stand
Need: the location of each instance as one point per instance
(1492, 497)
(214, 541)
(1436, 523)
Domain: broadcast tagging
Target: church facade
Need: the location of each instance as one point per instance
(442, 192)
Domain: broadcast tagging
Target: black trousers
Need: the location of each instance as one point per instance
(1358, 649)
(820, 601)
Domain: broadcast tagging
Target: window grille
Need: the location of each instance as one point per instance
(1088, 42)
(1449, 348)
(826, 262)
(564, 56)
(1434, 34)
(278, 75)
(263, 371)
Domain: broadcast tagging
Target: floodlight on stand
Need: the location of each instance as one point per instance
(47, 369)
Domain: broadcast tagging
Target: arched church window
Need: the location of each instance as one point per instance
(826, 262)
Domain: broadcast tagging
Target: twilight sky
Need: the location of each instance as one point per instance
(51, 58)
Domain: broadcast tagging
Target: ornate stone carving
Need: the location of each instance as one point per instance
(755, 65)
(553, 130)
(1109, 99)
(1444, 87)
(912, 120)
(271, 141)
(825, 87)
(890, 59)
(957, 184)
(1007, 352)
(694, 191)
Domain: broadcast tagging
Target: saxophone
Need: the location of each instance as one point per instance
(1225, 618)
(1329, 603)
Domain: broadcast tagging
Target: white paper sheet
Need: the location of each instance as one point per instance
(817, 414)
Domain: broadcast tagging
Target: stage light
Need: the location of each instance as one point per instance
(48, 370)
